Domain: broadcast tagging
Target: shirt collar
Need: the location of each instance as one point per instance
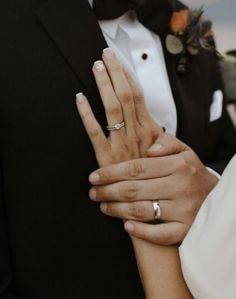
(110, 27)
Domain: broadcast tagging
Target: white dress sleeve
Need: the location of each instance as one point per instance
(208, 253)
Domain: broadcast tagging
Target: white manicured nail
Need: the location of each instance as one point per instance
(99, 66)
(80, 98)
(108, 52)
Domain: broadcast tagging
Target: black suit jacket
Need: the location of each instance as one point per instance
(54, 243)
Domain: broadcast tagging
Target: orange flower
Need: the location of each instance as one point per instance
(179, 21)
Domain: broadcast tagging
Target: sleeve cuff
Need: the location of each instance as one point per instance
(216, 174)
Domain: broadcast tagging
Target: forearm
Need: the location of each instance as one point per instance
(160, 271)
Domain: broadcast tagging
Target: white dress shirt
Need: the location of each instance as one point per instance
(140, 51)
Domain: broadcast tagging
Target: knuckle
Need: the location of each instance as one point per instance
(114, 109)
(137, 210)
(110, 210)
(94, 133)
(106, 176)
(182, 164)
(191, 209)
(126, 96)
(193, 170)
(186, 166)
(134, 169)
(129, 191)
(138, 98)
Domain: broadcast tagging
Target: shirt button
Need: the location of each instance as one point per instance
(144, 56)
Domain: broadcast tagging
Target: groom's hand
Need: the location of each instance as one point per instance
(172, 174)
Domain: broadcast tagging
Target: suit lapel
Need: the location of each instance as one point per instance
(190, 98)
(75, 30)
(190, 95)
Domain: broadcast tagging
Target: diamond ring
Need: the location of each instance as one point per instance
(115, 127)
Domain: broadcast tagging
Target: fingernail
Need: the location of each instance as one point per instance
(94, 178)
(129, 227)
(99, 66)
(103, 207)
(156, 147)
(108, 53)
(80, 98)
(93, 194)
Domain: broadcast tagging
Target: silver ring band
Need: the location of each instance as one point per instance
(115, 127)
(157, 210)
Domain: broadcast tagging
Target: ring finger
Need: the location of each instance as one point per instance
(111, 104)
(142, 210)
(122, 89)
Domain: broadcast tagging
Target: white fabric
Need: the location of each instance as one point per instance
(208, 253)
(216, 108)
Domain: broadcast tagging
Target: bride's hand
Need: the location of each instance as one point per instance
(123, 101)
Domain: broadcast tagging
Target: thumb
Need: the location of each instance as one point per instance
(166, 144)
(160, 234)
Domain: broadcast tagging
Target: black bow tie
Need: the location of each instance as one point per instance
(153, 14)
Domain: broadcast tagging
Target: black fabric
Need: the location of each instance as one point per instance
(54, 242)
(153, 14)
(5, 268)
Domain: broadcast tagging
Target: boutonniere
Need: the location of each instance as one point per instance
(189, 32)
